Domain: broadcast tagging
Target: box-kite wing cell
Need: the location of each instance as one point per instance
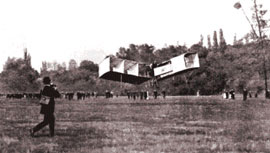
(121, 70)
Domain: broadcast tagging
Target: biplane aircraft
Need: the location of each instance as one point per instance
(116, 69)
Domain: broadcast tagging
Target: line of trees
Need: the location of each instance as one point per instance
(223, 66)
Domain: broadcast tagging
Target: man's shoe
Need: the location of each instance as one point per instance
(32, 133)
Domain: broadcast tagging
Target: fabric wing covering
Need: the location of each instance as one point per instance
(116, 69)
(176, 65)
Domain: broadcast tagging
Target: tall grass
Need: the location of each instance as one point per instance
(174, 124)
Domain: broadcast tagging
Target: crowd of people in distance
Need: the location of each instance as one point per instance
(109, 94)
(79, 95)
(82, 95)
(144, 95)
(247, 94)
(21, 95)
(230, 94)
(133, 95)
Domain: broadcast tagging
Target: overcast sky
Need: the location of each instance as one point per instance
(60, 30)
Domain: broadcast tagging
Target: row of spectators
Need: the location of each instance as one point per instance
(67, 95)
(230, 94)
(80, 95)
(144, 95)
(21, 95)
(136, 95)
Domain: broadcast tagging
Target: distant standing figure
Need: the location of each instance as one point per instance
(164, 94)
(198, 93)
(232, 94)
(128, 94)
(50, 92)
(225, 94)
(134, 95)
(267, 94)
(155, 94)
(245, 93)
(145, 94)
(249, 94)
(141, 95)
(107, 93)
(95, 94)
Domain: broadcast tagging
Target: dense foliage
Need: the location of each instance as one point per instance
(18, 76)
(222, 67)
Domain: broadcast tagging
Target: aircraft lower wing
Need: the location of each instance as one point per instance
(116, 69)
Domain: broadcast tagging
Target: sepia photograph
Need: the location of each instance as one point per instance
(134, 76)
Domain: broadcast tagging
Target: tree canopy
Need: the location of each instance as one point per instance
(237, 66)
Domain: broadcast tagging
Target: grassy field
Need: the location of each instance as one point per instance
(176, 124)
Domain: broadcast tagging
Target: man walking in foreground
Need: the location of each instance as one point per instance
(245, 94)
(48, 94)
